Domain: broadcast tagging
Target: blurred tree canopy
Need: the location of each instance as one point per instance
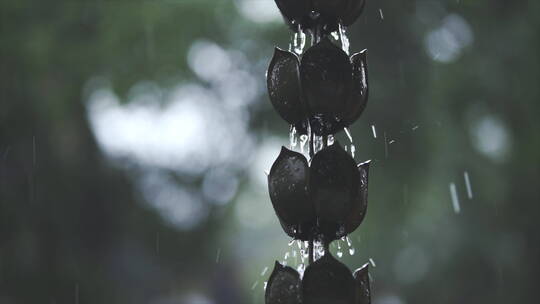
(454, 91)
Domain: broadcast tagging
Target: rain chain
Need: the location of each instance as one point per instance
(323, 197)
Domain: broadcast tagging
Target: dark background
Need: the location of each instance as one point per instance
(134, 136)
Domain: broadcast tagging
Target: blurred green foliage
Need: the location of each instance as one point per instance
(74, 228)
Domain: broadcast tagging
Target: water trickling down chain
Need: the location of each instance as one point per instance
(321, 196)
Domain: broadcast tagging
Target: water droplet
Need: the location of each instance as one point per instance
(299, 42)
(318, 250)
(318, 143)
(309, 138)
(303, 141)
(351, 251)
(293, 140)
(339, 253)
(301, 268)
(330, 140)
(348, 134)
(345, 45)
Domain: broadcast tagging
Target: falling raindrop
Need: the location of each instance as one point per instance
(374, 131)
(372, 262)
(353, 149)
(263, 272)
(455, 199)
(349, 244)
(385, 146)
(254, 285)
(468, 184)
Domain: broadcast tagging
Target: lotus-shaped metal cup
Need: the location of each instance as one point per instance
(307, 14)
(328, 199)
(325, 281)
(325, 87)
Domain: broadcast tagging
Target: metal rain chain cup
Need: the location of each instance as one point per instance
(322, 198)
